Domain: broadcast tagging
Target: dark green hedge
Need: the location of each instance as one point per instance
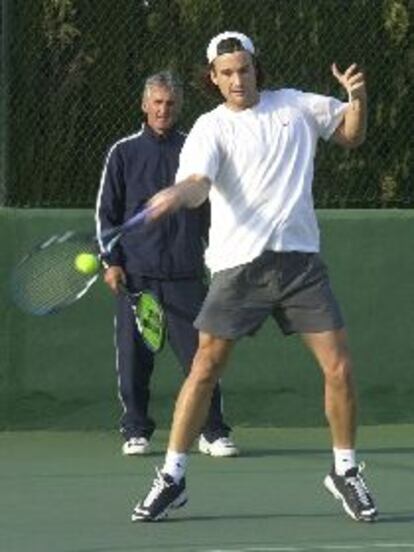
(73, 71)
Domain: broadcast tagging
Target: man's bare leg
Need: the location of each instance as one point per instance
(194, 399)
(344, 481)
(168, 490)
(331, 351)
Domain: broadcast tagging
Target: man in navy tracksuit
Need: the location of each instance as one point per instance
(165, 257)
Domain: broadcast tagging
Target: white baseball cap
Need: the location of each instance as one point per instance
(214, 42)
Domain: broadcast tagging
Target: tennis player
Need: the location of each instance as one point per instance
(254, 157)
(166, 258)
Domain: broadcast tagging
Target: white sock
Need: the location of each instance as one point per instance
(344, 460)
(175, 464)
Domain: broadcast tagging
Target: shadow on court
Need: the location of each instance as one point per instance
(74, 492)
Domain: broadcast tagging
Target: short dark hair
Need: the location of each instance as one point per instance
(228, 46)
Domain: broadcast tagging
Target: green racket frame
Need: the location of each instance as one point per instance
(150, 320)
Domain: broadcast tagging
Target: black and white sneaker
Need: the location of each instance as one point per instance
(164, 495)
(352, 490)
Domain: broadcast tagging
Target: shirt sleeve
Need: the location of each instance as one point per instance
(109, 206)
(327, 112)
(201, 152)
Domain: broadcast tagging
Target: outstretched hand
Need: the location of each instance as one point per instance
(164, 202)
(189, 193)
(114, 276)
(352, 79)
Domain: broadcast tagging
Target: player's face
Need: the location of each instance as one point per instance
(235, 76)
(161, 107)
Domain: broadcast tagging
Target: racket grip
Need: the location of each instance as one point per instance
(136, 219)
(110, 237)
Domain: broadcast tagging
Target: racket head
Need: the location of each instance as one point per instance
(46, 280)
(150, 320)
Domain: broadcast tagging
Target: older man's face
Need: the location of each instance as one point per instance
(161, 107)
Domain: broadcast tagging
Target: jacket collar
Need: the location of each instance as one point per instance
(150, 133)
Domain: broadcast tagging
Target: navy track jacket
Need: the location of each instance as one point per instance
(136, 168)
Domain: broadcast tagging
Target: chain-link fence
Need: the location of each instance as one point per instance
(72, 72)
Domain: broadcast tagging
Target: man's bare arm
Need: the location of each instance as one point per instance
(352, 131)
(189, 193)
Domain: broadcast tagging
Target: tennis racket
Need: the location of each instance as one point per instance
(149, 318)
(47, 279)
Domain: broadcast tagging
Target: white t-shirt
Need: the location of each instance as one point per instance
(260, 162)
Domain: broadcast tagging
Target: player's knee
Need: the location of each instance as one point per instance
(204, 379)
(209, 362)
(208, 365)
(205, 371)
(338, 373)
(213, 350)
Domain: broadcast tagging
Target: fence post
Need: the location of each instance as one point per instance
(4, 108)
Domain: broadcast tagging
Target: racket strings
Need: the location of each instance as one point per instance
(48, 278)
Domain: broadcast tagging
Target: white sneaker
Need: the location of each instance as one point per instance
(221, 447)
(136, 446)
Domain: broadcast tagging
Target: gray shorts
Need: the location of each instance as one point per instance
(292, 287)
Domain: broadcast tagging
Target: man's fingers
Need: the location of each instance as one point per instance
(356, 79)
(335, 71)
(347, 74)
(353, 80)
(162, 203)
(113, 276)
(350, 71)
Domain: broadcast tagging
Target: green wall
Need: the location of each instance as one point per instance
(58, 371)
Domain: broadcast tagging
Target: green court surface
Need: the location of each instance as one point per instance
(74, 492)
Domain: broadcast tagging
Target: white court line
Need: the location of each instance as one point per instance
(342, 547)
(260, 549)
(267, 549)
(394, 546)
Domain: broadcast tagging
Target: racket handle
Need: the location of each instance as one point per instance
(136, 219)
(108, 238)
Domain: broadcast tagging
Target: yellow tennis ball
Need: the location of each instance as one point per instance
(86, 263)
